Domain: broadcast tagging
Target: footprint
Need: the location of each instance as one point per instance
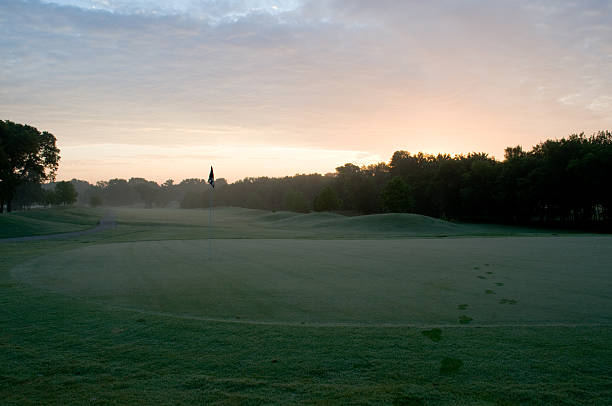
(487, 264)
(489, 292)
(490, 273)
(476, 267)
(481, 277)
(465, 319)
(499, 283)
(462, 306)
(507, 301)
(435, 334)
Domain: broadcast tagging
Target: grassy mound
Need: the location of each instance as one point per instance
(47, 221)
(235, 222)
(401, 222)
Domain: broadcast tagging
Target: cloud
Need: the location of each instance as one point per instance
(213, 11)
(320, 74)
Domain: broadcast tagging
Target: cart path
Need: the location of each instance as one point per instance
(106, 223)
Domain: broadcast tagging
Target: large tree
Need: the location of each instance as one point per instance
(26, 155)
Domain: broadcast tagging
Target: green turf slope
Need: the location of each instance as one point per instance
(390, 224)
(231, 222)
(47, 221)
(400, 281)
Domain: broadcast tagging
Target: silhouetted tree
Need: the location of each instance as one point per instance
(146, 190)
(65, 193)
(26, 155)
(28, 194)
(118, 192)
(327, 200)
(396, 196)
(294, 201)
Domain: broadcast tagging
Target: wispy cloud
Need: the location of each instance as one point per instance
(314, 74)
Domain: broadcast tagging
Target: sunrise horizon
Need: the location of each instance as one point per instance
(162, 90)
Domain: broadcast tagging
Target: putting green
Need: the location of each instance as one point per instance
(397, 281)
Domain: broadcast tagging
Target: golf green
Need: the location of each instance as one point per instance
(448, 281)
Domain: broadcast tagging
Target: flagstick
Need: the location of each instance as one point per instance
(210, 224)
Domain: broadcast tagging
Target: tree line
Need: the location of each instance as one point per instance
(566, 182)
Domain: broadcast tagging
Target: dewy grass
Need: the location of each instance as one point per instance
(138, 315)
(435, 334)
(463, 319)
(450, 365)
(47, 221)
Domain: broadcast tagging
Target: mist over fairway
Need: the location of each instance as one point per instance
(305, 276)
(233, 222)
(305, 202)
(297, 308)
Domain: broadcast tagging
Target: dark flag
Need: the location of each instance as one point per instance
(211, 178)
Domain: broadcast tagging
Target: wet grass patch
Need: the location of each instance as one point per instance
(489, 292)
(507, 301)
(450, 365)
(463, 319)
(408, 401)
(462, 306)
(435, 334)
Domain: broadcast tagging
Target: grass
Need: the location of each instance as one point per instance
(56, 348)
(401, 281)
(435, 334)
(47, 221)
(450, 365)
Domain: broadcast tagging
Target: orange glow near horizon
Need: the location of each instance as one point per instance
(165, 90)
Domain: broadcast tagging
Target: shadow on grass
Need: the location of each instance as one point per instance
(435, 334)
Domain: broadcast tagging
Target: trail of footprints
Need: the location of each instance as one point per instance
(463, 318)
(451, 365)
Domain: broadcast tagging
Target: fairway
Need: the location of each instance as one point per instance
(508, 280)
(318, 308)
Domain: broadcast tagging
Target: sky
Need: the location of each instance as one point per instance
(164, 89)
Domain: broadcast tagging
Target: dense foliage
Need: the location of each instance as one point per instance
(26, 156)
(565, 182)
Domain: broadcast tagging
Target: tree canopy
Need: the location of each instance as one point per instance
(26, 155)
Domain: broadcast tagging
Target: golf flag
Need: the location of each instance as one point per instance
(211, 178)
